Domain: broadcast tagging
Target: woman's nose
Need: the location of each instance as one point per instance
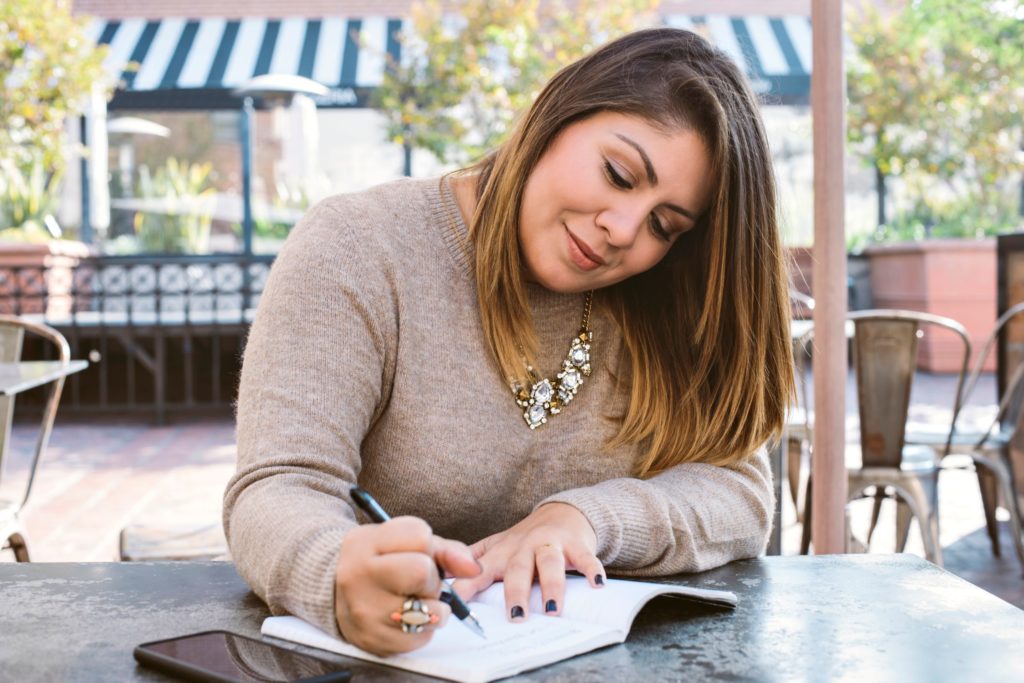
(622, 223)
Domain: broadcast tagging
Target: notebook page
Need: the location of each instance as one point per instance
(615, 605)
(458, 654)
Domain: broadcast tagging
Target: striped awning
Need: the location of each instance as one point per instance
(181, 63)
(775, 52)
(196, 63)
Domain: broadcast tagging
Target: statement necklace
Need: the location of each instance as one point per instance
(546, 396)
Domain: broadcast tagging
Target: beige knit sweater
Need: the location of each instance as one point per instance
(366, 364)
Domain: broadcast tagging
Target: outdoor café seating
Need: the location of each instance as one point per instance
(15, 377)
(884, 355)
(988, 448)
(798, 419)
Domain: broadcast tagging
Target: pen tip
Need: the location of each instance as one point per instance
(475, 626)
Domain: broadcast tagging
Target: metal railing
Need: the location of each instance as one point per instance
(165, 333)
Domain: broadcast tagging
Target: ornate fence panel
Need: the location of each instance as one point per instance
(164, 333)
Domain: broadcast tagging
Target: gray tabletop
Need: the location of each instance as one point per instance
(863, 618)
(22, 376)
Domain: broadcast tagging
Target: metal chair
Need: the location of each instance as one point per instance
(884, 353)
(989, 449)
(12, 333)
(798, 417)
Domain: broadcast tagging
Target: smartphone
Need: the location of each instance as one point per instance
(231, 658)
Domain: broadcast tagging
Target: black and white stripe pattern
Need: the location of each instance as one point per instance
(775, 52)
(176, 53)
(349, 54)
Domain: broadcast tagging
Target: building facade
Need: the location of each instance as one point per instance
(179, 62)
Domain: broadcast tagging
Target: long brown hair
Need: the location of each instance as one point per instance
(706, 330)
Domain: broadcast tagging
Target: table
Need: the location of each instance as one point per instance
(24, 375)
(820, 618)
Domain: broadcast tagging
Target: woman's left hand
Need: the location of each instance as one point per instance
(553, 538)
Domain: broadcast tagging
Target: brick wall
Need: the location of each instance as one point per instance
(317, 8)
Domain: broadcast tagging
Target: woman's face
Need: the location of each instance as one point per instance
(607, 200)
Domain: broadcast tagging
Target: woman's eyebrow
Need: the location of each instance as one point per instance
(652, 177)
(681, 211)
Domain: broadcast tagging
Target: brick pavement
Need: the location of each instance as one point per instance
(97, 477)
(100, 476)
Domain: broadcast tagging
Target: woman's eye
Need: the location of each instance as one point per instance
(658, 229)
(615, 177)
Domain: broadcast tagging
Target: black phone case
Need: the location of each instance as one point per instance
(175, 667)
(189, 672)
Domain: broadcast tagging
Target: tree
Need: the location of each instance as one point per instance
(48, 67)
(465, 77)
(935, 93)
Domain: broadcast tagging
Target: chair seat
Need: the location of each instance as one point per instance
(798, 432)
(147, 543)
(962, 439)
(9, 522)
(917, 459)
(8, 508)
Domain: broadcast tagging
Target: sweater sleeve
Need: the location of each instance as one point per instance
(689, 518)
(317, 365)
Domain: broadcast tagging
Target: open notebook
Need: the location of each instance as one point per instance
(592, 618)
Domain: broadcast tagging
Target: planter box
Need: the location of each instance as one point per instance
(801, 277)
(38, 278)
(953, 278)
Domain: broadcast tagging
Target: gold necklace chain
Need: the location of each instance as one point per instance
(545, 397)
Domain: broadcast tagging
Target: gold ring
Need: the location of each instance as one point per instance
(415, 616)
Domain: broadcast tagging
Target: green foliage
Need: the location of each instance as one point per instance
(465, 78)
(26, 200)
(935, 96)
(182, 225)
(270, 232)
(47, 67)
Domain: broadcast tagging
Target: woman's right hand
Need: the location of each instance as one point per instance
(380, 566)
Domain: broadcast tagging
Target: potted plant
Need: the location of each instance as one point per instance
(36, 266)
(932, 89)
(48, 67)
(181, 198)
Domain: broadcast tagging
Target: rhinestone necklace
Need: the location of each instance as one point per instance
(545, 396)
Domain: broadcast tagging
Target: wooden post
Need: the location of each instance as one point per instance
(828, 94)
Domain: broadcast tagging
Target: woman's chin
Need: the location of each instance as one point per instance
(564, 285)
(559, 279)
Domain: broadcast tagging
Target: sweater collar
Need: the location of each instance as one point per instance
(455, 234)
(454, 230)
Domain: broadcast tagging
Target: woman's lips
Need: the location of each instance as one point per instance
(581, 254)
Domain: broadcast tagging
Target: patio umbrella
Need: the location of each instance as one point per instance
(277, 90)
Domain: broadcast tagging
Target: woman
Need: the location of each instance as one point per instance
(621, 244)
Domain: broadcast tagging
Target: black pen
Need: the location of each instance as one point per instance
(373, 509)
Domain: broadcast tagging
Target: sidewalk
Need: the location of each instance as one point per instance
(98, 477)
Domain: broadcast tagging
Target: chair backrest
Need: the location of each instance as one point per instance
(1011, 400)
(12, 335)
(1012, 408)
(801, 305)
(801, 323)
(885, 346)
(11, 339)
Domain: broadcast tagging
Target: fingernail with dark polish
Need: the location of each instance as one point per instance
(517, 612)
(550, 606)
(599, 580)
